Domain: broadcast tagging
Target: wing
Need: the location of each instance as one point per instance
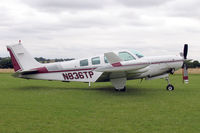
(120, 69)
(106, 76)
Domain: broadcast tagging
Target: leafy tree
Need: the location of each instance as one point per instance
(196, 64)
(40, 59)
(44, 60)
(6, 63)
(189, 64)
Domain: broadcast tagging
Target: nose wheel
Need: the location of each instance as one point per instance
(169, 87)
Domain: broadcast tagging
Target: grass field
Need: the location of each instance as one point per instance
(33, 106)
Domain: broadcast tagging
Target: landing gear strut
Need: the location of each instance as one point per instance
(169, 87)
(119, 84)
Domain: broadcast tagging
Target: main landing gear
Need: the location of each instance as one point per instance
(169, 87)
(119, 84)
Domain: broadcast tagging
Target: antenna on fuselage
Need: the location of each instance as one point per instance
(20, 42)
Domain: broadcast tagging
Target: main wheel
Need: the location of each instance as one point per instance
(124, 89)
(170, 87)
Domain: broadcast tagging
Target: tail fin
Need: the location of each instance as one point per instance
(21, 59)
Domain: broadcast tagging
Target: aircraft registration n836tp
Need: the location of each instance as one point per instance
(116, 67)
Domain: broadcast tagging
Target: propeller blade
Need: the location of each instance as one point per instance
(185, 51)
(185, 74)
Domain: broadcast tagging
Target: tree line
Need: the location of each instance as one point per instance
(5, 62)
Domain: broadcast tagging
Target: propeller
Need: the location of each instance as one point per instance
(184, 67)
(185, 51)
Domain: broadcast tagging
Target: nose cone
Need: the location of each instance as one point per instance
(177, 62)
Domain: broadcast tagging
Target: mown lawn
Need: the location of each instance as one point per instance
(34, 106)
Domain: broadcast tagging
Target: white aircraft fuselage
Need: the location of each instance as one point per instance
(116, 67)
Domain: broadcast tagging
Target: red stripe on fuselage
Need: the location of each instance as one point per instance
(118, 64)
(72, 70)
(45, 70)
(14, 61)
(146, 63)
(166, 61)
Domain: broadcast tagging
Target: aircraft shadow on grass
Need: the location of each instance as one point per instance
(131, 90)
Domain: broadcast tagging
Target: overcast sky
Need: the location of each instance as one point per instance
(77, 28)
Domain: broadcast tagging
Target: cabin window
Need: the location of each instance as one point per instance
(95, 60)
(125, 56)
(105, 60)
(84, 62)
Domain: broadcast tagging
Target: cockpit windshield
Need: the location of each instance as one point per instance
(125, 56)
(138, 54)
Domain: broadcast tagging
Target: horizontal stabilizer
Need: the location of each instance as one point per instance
(20, 73)
(28, 72)
(34, 71)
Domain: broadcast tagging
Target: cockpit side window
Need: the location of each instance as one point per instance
(125, 56)
(139, 55)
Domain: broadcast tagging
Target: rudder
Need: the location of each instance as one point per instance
(21, 59)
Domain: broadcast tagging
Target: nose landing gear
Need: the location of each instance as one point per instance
(169, 87)
(171, 71)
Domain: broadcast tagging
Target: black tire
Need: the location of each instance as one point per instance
(122, 90)
(170, 87)
(116, 89)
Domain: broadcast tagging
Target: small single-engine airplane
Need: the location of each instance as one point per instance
(116, 67)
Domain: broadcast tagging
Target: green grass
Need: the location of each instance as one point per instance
(34, 106)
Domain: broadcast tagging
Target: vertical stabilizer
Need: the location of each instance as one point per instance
(21, 59)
